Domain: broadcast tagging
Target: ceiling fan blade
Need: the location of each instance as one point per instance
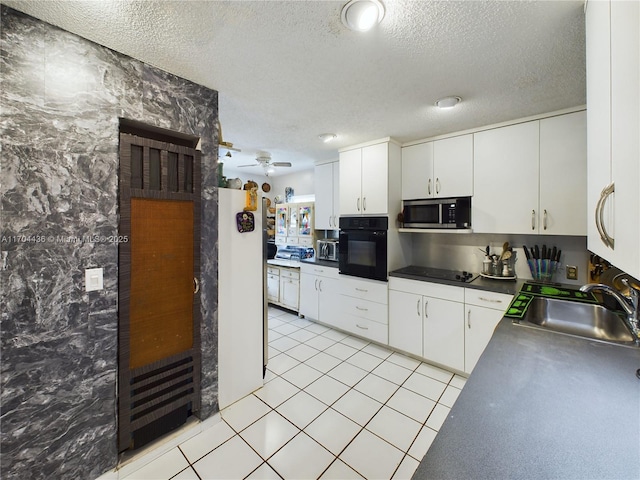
(252, 165)
(281, 164)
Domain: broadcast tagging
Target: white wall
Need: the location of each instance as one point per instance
(301, 182)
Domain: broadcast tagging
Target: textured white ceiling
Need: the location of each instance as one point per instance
(287, 71)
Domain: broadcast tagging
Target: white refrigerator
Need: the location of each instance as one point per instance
(241, 301)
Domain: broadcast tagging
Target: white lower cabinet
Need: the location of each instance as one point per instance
(319, 293)
(444, 324)
(483, 311)
(283, 287)
(363, 308)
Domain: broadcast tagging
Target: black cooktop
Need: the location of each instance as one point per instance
(439, 273)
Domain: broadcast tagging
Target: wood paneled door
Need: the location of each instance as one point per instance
(159, 307)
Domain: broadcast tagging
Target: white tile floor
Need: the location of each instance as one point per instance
(333, 407)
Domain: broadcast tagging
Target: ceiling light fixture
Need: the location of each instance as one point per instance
(448, 102)
(327, 137)
(362, 15)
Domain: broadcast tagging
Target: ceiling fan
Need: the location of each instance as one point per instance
(264, 161)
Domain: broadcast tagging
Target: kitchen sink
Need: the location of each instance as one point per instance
(581, 319)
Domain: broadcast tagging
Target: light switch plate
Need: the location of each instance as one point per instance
(93, 279)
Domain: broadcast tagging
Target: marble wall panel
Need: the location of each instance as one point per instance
(61, 98)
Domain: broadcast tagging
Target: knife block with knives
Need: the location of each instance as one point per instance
(543, 263)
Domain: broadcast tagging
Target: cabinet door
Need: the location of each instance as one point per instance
(309, 296)
(480, 322)
(375, 176)
(563, 174)
(289, 292)
(443, 332)
(336, 196)
(405, 322)
(625, 134)
(351, 182)
(329, 305)
(293, 220)
(505, 188)
(598, 57)
(282, 217)
(273, 287)
(323, 180)
(453, 166)
(305, 220)
(417, 171)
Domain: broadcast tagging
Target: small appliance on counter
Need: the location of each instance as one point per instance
(328, 249)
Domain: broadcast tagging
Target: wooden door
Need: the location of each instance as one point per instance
(159, 307)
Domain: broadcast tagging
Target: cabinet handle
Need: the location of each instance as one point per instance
(320, 285)
(544, 219)
(489, 300)
(362, 309)
(533, 219)
(316, 284)
(429, 187)
(358, 204)
(606, 238)
(469, 319)
(363, 328)
(418, 306)
(364, 203)
(426, 304)
(437, 186)
(361, 290)
(196, 284)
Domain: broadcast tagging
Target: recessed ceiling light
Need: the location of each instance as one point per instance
(448, 102)
(327, 137)
(362, 15)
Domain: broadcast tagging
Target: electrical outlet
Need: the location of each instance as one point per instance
(572, 272)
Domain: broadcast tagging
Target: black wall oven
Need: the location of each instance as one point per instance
(363, 247)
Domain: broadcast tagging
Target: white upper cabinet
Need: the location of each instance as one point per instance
(327, 190)
(530, 178)
(443, 168)
(613, 96)
(417, 171)
(563, 175)
(505, 198)
(364, 180)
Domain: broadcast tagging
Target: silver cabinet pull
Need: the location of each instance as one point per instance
(364, 203)
(606, 238)
(316, 284)
(363, 328)
(320, 285)
(484, 299)
(429, 187)
(361, 289)
(196, 284)
(362, 309)
(418, 306)
(469, 319)
(437, 186)
(533, 219)
(426, 304)
(358, 204)
(544, 219)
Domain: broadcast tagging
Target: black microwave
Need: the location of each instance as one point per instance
(437, 213)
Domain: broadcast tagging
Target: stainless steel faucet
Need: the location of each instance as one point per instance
(629, 304)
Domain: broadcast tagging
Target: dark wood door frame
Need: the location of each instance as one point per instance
(148, 394)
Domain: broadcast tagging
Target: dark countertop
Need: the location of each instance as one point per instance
(323, 263)
(509, 287)
(542, 405)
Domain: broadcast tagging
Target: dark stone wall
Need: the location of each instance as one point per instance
(61, 98)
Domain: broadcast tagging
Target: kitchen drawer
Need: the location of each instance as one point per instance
(358, 307)
(289, 273)
(378, 332)
(273, 271)
(281, 240)
(483, 298)
(305, 241)
(429, 289)
(319, 270)
(365, 289)
(292, 241)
